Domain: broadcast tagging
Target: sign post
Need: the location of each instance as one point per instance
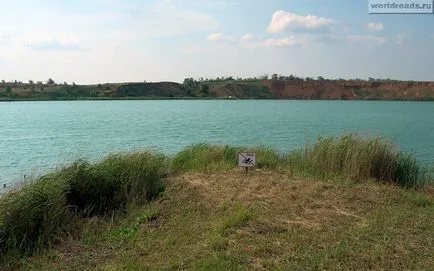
(246, 160)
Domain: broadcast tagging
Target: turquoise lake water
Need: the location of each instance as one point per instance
(38, 136)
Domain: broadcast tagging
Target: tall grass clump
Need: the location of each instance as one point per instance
(34, 216)
(358, 158)
(204, 158)
(41, 211)
(408, 172)
(268, 158)
(114, 182)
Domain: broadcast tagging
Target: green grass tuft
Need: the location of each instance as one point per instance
(117, 180)
(236, 216)
(205, 158)
(408, 172)
(41, 211)
(34, 216)
(357, 158)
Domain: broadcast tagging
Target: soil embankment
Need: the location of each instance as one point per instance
(238, 89)
(336, 90)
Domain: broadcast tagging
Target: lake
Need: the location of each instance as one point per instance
(38, 136)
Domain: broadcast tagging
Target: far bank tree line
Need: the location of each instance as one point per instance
(192, 86)
(189, 80)
(202, 85)
(33, 85)
(276, 76)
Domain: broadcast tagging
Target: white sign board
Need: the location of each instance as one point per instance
(246, 159)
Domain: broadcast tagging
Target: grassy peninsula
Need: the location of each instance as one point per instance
(261, 87)
(342, 203)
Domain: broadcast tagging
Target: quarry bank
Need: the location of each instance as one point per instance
(284, 88)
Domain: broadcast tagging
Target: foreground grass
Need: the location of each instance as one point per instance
(49, 208)
(107, 207)
(260, 221)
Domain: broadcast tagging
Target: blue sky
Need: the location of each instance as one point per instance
(93, 41)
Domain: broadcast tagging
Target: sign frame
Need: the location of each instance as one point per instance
(246, 159)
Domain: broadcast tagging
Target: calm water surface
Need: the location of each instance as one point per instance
(38, 136)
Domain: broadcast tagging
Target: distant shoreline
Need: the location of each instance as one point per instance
(200, 99)
(225, 89)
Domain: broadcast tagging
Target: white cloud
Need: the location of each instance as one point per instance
(375, 26)
(300, 40)
(247, 37)
(368, 40)
(289, 41)
(219, 37)
(55, 43)
(282, 20)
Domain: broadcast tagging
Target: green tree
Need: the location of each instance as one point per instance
(274, 76)
(190, 86)
(291, 77)
(50, 82)
(264, 77)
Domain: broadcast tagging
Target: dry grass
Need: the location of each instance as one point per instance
(259, 221)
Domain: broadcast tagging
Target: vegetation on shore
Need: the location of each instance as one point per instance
(144, 210)
(260, 87)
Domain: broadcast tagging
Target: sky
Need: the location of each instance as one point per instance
(99, 41)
